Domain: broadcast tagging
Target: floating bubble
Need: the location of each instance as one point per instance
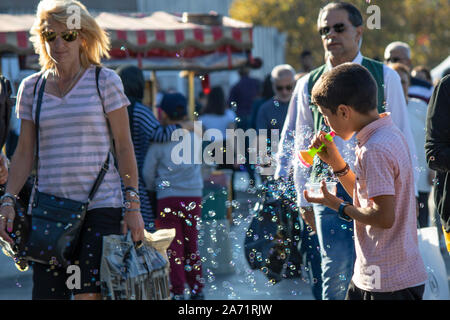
(273, 122)
(211, 213)
(164, 184)
(191, 206)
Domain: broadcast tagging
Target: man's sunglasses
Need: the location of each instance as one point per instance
(68, 36)
(338, 27)
(394, 60)
(288, 87)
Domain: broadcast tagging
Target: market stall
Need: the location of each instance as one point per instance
(197, 43)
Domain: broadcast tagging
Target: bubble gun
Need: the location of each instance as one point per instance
(307, 156)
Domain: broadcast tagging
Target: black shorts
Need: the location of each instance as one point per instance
(49, 282)
(413, 293)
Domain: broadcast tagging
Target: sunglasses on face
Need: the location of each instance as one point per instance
(281, 88)
(338, 28)
(68, 36)
(394, 60)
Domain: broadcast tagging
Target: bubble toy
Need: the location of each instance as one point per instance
(307, 156)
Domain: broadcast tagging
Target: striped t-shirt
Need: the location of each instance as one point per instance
(74, 138)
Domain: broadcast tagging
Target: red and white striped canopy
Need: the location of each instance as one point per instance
(159, 33)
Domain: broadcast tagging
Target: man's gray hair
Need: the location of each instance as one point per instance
(394, 45)
(280, 71)
(354, 15)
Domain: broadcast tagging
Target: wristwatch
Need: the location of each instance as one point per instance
(341, 213)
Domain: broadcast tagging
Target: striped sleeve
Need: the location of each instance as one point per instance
(113, 92)
(24, 104)
(152, 129)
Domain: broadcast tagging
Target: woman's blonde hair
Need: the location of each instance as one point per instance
(95, 44)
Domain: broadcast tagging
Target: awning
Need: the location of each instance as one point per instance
(14, 33)
(168, 32)
(159, 35)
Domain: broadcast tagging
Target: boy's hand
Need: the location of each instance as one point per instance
(329, 154)
(328, 199)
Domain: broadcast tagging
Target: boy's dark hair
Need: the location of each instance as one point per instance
(174, 105)
(354, 15)
(178, 114)
(350, 84)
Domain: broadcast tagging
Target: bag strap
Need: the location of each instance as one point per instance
(97, 78)
(105, 166)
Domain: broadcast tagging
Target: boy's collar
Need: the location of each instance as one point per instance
(365, 133)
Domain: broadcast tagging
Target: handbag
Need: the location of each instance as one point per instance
(436, 286)
(271, 239)
(56, 222)
(130, 272)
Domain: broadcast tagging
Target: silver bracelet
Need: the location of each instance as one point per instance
(7, 204)
(132, 210)
(10, 196)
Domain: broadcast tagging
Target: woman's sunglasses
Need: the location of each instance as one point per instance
(68, 36)
(338, 27)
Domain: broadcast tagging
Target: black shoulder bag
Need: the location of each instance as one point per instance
(55, 222)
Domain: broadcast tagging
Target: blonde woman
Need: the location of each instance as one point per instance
(74, 141)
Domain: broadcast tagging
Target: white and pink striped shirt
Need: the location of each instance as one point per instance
(74, 138)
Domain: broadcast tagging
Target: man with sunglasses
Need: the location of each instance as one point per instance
(340, 26)
(400, 52)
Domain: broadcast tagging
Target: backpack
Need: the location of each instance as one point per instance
(6, 104)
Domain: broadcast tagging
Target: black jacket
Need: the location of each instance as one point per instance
(437, 147)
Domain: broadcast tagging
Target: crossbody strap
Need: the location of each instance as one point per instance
(105, 166)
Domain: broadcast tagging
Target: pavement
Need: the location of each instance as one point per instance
(235, 281)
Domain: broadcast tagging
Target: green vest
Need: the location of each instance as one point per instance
(320, 169)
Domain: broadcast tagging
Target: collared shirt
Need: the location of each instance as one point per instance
(386, 259)
(298, 129)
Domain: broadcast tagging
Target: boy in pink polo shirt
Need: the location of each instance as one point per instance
(388, 263)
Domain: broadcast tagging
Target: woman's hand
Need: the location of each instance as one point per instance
(7, 215)
(133, 221)
(329, 200)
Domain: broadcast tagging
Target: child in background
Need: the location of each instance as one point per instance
(178, 183)
(388, 263)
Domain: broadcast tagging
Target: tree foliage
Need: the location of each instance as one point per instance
(423, 24)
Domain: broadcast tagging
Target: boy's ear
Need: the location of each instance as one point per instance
(344, 111)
